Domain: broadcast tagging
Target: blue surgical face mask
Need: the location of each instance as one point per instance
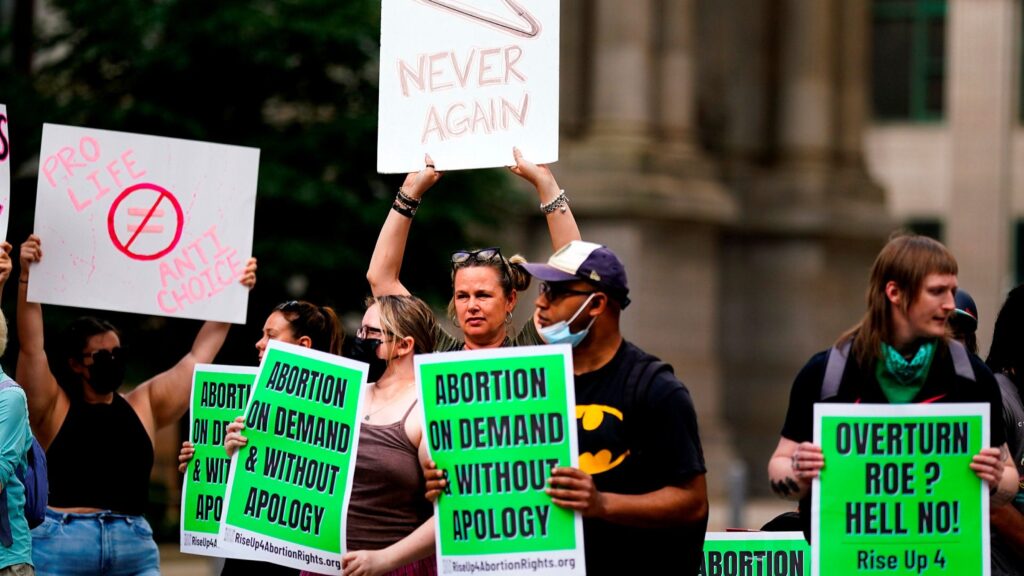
(560, 333)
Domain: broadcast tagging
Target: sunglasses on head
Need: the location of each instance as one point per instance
(556, 290)
(482, 255)
(287, 306)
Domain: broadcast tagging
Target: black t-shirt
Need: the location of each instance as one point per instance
(636, 446)
(859, 385)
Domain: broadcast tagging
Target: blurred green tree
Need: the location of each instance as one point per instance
(296, 79)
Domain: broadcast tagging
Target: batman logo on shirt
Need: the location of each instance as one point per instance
(595, 423)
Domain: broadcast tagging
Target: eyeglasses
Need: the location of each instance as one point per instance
(558, 290)
(370, 333)
(286, 306)
(484, 255)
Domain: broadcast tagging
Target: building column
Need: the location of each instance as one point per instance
(982, 40)
(812, 221)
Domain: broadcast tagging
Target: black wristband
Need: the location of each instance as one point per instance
(408, 213)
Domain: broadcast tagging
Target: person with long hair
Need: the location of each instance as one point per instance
(899, 353)
(295, 322)
(390, 525)
(98, 440)
(485, 284)
(1006, 359)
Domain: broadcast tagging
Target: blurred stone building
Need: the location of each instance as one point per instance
(748, 158)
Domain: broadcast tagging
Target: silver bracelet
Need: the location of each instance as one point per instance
(559, 203)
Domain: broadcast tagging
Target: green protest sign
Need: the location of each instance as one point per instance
(219, 395)
(289, 486)
(755, 554)
(497, 421)
(897, 494)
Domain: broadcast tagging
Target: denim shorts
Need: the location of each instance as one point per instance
(94, 544)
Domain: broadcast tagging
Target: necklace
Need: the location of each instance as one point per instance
(373, 396)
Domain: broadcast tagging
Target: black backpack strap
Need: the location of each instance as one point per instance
(961, 360)
(639, 381)
(834, 369)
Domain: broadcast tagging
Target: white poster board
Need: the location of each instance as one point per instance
(143, 224)
(467, 81)
(5, 172)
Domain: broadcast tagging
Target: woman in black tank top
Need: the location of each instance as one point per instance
(97, 495)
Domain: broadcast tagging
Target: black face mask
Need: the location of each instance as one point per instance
(106, 374)
(365, 350)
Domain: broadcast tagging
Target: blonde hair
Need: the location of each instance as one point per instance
(407, 316)
(907, 259)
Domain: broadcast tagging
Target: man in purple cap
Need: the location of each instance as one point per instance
(640, 485)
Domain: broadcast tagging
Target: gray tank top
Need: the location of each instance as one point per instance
(388, 487)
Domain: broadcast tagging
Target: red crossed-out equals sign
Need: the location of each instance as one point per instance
(147, 228)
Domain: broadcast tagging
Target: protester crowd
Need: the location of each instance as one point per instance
(645, 512)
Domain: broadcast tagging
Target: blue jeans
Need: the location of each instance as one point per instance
(94, 544)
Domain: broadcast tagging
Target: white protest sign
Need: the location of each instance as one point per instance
(465, 82)
(5, 172)
(143, 224)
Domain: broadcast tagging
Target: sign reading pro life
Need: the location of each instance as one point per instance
(143, 224)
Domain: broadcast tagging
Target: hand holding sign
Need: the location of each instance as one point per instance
(5, 262)
(417, 183)
(188, 450)
(988, 465)
(807, 462)
(234, 440)
(574, 489)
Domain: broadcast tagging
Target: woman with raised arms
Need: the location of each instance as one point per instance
(485, 284)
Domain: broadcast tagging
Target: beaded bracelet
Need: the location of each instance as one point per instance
(561, 202)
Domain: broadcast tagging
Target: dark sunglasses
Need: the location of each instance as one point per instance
(484, 255)
(557, 290)
(104, 354)
(287, 306)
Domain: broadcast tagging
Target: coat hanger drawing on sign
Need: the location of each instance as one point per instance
(530, 30)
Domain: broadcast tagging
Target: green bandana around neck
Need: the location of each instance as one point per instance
(901, 379)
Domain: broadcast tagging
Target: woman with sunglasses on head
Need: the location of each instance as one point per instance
(389, 526)
(485, 284)
(98, 441)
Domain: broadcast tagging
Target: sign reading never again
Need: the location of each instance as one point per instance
(466, 83)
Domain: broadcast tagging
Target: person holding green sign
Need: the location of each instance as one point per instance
(640, 486)
(1006, 359)
(296, 322)
(485, 284)
(97, 496)
(390, 526)
(899, 353)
